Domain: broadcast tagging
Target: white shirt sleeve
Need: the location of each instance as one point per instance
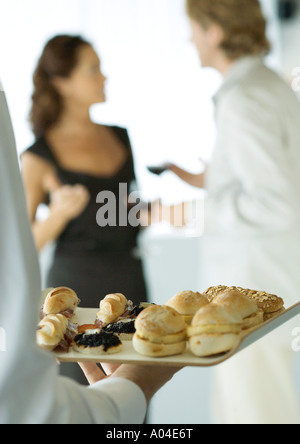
(31, 391)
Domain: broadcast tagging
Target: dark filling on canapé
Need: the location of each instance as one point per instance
(120, 327)
(107, 340)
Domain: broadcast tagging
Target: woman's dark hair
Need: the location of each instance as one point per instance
(59, 59)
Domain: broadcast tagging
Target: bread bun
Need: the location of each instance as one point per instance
(187, 303)
(159, 321)
(160, 331)
(268, 316)
(212, 292)
(267, 302)
(111, 308)
(237, 301)
(45, 294)
(118, 297)
(151, 349)
(215, 316)
(59, 300)
(51, 331)
(241, 304)
(210, 345)
(214, 329)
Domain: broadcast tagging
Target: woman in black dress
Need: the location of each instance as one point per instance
(71, 162)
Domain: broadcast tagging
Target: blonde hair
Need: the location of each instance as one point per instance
(242, 22)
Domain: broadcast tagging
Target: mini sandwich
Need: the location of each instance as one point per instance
(212, 292)
(97, 342)
(241, 304)
(55, 333)
(112, 307)
(215, 329)
(124, 327)
(269, 303)
(61, 300)
(187, 303)
(160, 331)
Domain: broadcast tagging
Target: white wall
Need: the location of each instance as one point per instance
(24, 28)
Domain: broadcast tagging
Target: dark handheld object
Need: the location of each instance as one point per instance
(287, 9)
(158, 170)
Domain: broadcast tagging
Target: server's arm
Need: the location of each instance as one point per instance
(30, 389)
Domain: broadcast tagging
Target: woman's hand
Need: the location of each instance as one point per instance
(66, 201)
(94, 374)
(195, 180)
(69, 201)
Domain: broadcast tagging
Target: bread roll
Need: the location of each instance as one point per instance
(187, 303)
(269, 303)
(241, 304)
(214, 329)
(210, 345)
(118, 297)
(51, 331)
(160, 331)
(212, 292)
(111, 308)
(147, 348)
(60, 300)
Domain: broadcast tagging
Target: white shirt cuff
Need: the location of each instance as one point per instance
(128, 399)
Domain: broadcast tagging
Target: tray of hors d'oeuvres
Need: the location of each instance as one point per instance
(191, 329)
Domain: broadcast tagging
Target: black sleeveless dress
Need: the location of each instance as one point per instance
(94, 260)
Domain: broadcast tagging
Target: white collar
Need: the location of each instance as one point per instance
(237, 72)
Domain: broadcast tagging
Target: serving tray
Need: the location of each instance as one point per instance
(130, 356)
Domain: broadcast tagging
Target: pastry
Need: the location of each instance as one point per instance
(97, 342)
(124, 327)
(111, 308)
(252, 315)
(212, 292)
(55, 332)
(61, 300)
(160, 331)
(269, 303)
(215, 329)
(187, 303)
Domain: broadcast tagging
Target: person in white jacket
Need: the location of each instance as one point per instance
(31, 392)
(252, 211)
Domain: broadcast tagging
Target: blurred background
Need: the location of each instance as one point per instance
(158, 91)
